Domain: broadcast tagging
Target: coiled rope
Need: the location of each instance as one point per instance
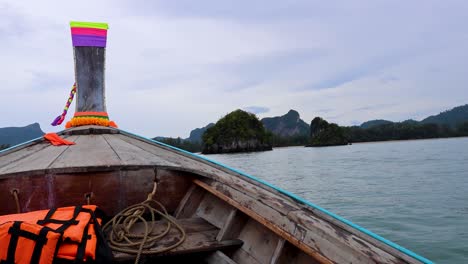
(123, 240)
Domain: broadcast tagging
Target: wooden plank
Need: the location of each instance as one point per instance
(243, 257)
(176, 160)
(337, 243)
(172, 186)
(89, 151)
(265, 211)
(278, 251)
(192, 201)
(32, 195)
(219, 257)
(360, 238)
(184, 200)
(135, 186)
(213, 210)
(259, 242)
(190, 225)
(267, 223)
(280, 204)
(39, 160)
(227, 226)
(234, 228)
(21, 152)
(200, 237)
(292, 255)
(132, 155)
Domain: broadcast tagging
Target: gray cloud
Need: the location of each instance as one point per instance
(373, 107)
(256, 109)
(176, 65)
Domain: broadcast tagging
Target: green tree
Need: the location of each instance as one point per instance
(237, 126)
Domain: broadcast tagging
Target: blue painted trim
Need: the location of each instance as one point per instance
(20, 144)
(299, 199)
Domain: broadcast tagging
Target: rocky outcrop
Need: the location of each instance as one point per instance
(288, 125)
(324, 134)
(238, 131)
(237, 146)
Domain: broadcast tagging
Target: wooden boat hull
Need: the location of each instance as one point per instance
(233, 217)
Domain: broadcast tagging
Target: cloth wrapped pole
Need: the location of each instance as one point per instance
(89, 47)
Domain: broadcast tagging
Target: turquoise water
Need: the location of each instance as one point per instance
(414, 193)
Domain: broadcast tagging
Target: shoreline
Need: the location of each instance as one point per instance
(399, 140)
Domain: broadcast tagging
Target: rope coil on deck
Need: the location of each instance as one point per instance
(122, 239)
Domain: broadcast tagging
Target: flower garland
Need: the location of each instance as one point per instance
(90, 118)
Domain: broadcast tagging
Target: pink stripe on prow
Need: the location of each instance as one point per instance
(89, 31)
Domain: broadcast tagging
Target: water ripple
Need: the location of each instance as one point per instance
(414, 193)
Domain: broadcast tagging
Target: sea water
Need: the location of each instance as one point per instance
(414, 193)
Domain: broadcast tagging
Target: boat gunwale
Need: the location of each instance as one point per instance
(308, 205)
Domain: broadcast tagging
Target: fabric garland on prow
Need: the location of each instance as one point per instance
(59, 119)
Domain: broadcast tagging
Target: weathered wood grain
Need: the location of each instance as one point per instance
(225, 230)
(338, 243)
(132, 155)
(172, 186)
(278, 251)
(259, 242)
(89, 151)
(273, 216)
(219, 257)
(200, 237)
(213, 210)
(191, 201)
(19, 153)
(31, 192)
(292, 255)
(89, 75)
(37, 159)
(265, 221)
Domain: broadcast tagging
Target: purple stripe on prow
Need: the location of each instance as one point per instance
(88, 40)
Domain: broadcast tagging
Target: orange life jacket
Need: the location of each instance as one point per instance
(79, 226)
(23, 243)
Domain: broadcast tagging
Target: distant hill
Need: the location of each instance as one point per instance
(373, 123)
(287, 125)
(291, 130)
(452, 117)
(197, 133)
(15, 135)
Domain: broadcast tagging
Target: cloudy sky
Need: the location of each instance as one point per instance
(176, 65)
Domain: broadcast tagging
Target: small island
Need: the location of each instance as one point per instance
(324, 134)
(238, 131)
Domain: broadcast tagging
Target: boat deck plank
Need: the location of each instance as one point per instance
(200, 237)
(133, 155)
(89, 151)
(38, 159)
